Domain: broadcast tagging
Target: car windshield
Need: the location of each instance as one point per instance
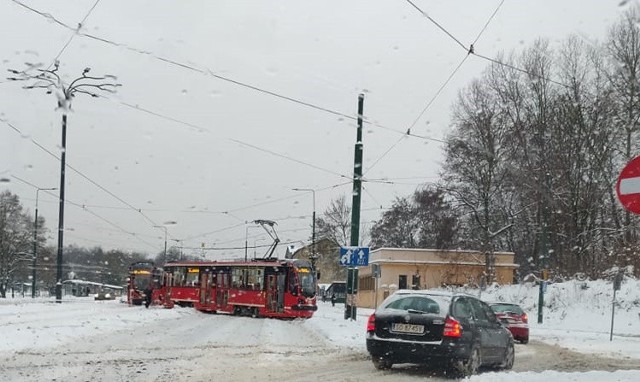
(507, 308)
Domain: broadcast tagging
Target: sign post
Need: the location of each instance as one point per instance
(353, 257)
(617, 283)
(628, 191)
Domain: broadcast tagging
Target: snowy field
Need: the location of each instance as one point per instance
(577, 316)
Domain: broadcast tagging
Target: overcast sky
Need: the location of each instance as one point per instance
(178, 143)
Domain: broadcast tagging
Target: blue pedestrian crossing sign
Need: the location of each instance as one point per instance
(354, 256)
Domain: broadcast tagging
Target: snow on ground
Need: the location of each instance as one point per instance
(577, 315)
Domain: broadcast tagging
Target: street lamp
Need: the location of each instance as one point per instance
(50, 80)
(179, 243)
(35, 243)
(313, 256)
(164, 257)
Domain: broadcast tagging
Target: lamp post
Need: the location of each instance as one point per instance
(313, 256)
(35, 243)
(50, 80)
(255, 245)
(179, 243)
(164, 257)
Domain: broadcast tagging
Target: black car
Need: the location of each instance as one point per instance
(457, 331)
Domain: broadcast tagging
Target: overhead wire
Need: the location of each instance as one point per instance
(468, 51)
(255, 88)
(88, 211)
(437, 24)
(440, 89)
(138, 210)
(472, 50)
(235, 140)
(75, 33)
(210, 73)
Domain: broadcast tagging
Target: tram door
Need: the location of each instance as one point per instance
(275, 292)
(168, 283)
(205, 290)
(222, 290)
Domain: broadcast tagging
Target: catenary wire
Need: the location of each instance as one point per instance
(83, 175)
(446, 82)
(84, 208)
(210, 73)
(80, 25)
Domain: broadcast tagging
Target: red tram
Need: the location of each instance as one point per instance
(141, 274)
(258, 288)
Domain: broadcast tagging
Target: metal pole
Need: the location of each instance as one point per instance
(35, 249)
(164, 260)
(350, 306)
(313, 226)
(246, 242)
(61, 212)
(613, 313)
(35, 244)
(313, 233)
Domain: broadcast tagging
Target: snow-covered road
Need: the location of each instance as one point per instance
(105, 341)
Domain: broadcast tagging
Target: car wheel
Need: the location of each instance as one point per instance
(509, 357)
(469, 366)
(381, 363)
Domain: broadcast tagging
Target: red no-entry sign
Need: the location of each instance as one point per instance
(628, 186)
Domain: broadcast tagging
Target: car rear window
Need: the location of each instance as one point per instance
(418, 303)
(505, 308)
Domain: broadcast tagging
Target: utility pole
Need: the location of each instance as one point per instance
(35, 244)
(50, 80)
(352, 272)
(313, 256)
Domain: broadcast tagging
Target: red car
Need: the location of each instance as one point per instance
(514, 318)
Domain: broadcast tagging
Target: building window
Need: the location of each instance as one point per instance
(402, 282)
(415, 281)
(367, 283)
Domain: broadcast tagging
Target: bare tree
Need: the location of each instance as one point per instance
(15, 239)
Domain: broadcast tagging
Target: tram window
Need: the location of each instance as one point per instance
(192, 279)
(179, 276)
(237, 278)
(292, 283)
(254, 278)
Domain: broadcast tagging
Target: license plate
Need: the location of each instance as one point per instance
(408, 328)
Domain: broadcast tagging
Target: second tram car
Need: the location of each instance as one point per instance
(141, 274)
(181, 283)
